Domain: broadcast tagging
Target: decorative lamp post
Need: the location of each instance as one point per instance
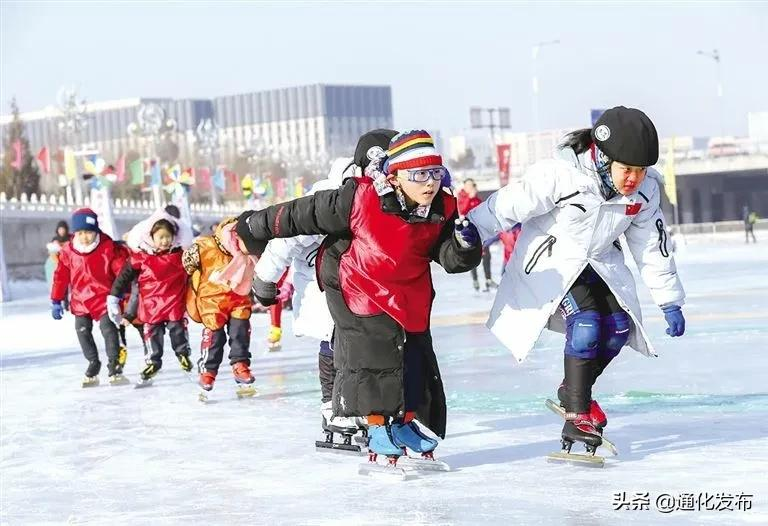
(151, 125)
(72, 123)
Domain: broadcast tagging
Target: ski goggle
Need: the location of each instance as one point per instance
(422, 175)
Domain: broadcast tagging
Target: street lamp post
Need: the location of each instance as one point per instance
(715, 55)
(476, 121)
(72, 124)
(151, 124)
(207, 134)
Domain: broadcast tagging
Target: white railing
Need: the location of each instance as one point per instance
(58, 205)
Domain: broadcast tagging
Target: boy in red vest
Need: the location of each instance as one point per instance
(88, 266)
(383, 230)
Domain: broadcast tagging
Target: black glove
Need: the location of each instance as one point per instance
(265, 291)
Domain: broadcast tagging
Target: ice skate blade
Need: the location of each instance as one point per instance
(245, 391)
(90, 383)
(118, 379)
(607, 444)
(274, 347)
(591, 461)
(334, 447)
(394, 473)
(423, 464)
(141, 384)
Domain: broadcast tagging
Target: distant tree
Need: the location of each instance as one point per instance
(15, 180)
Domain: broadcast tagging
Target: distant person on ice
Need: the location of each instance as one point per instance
(750, 218)
(390, 225)
(467, 199)
(88, 266)
(573, 211)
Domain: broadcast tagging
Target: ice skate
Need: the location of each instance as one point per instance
(595, 411)
(362, 425)
(184, 362)
(476, 285)
(382, 443)
(92, 374)
(273, 339)
(559, 410)
(409, 436)
(244, 380)
(490, 284)
(205, 382)
(579, 428)
(115, 371)
(345, 426)
(147, 375)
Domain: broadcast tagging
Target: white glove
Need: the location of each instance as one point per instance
(113, 310)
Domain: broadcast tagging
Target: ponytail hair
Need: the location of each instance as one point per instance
(579, 140)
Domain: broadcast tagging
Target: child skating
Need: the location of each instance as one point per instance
(162, 287)
(567, 271)
(383, 232)
(219, 297)
(88, 266)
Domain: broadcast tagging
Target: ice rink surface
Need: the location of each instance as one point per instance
(691, 424)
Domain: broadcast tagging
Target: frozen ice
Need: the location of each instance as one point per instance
(692, 421)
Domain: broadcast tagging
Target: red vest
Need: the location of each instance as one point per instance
(386, 269)
(162, 286)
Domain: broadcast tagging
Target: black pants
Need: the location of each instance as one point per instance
(327, 371)
(212, 346)
(597, 328)
(84, 328)
(154, 334)
(413, 370)
(486, 266)
(139, 329)
(749, 230)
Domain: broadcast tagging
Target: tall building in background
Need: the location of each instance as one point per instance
(305, 121)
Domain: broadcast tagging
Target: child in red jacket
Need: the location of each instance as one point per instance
(88, 266)
(162, 288)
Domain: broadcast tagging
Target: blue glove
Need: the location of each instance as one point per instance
(466, 234)
(675, 320)
(57, 311)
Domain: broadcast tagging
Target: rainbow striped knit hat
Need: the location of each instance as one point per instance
(412, 149)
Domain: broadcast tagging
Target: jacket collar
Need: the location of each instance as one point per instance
(390, 204)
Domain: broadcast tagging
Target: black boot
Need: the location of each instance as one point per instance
(581, 429)
(114, 368)
(93, 369)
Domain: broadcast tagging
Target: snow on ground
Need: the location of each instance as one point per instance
(692, 421)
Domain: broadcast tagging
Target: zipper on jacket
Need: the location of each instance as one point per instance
(546, 245)
(662, 238)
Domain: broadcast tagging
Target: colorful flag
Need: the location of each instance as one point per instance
(137, 171)
(70, 164)
(120, 169)
(205, 177)
(503, 152)
(155, 176)
(44, 158)
(16, 163)
(218, 179)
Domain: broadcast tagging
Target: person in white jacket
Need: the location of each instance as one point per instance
(311, 316)
(568, 272)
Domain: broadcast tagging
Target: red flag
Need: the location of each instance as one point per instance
(16, 163)
(44, 158)
(503, 152)
(120, 169)
(204, 176)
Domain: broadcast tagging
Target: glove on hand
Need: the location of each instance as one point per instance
(57, 311)
(114, 311)
(675, 320)
(265, 291)
(466, 234)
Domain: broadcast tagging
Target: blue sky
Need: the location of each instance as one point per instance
(440, 58)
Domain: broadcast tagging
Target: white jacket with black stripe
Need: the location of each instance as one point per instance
(566, 225)
(310, 310)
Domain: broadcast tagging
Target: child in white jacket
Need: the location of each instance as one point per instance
(569, 259)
